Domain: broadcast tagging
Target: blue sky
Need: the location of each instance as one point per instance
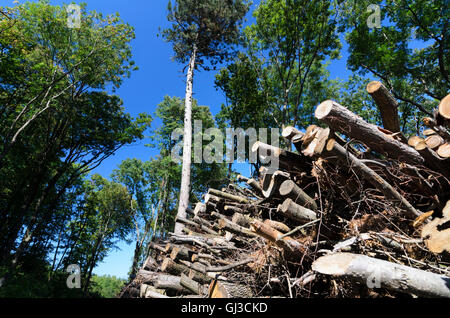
(157, 76)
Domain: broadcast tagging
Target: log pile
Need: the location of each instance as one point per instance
(356, 211)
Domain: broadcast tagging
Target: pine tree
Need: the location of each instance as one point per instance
(201, 31)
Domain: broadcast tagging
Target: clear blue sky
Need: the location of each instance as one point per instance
(157, 76)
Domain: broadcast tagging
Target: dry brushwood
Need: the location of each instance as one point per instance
(339, 217)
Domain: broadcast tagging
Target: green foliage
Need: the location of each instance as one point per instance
(56, 124)
(170, 111)
(106, 286)
(210, 26)
(409, 53)
(282, 76)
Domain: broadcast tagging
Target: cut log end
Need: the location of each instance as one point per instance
(373, 86)
(444, 107)
(324, 109)
(229, 290)
(444, 150)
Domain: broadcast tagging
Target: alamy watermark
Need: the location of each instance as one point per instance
(223, 146)
(74, 279)
(74, 16)
(374, 20)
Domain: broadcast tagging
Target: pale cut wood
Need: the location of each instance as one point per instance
(433, 160)
(444, 150)
(387, 105)
(291, 247)
(341, 119)
(444, 107)
(388, 275)
(291, 190)
(434, 141)
(200, 208)
(290, 132)
(309, 135)
(436, 234)
(277, 225)
(296, 212)
(272, 182)
(414, 140)
(229, 290)
(181, 252)
(429, 132)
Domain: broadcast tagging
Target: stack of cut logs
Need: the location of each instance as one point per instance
(356, 211)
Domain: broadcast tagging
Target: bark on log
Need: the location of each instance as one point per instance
(150, 264)
(341, 119)
(235, 228)
(433, 160)
(232, 208)
(387, 105)
(241, 219)
(181, 252)
(296, 212)
(173, 268)
(148, 291)
(277, 225)
(228, 196)
(192, 285)
(229, 290)
(272, 182)
(375, 179)
(389, 275)
(291, 247)
(281, 158)
(291, 190)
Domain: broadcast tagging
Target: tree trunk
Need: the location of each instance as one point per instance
(296, 212)
(187, 149)
(291, 190)
(384, 274)
(387, 105)
(343, 120)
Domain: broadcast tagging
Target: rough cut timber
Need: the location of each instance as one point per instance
(444, 150)
(229, 290)
(296, 212)
(272, 182)
(240, 242)
(432, 159)
(444, 107)
(284, 159)
(388, 275)
(341, 119)
(290, 190)
(437, 233)
(290, 246)
(387, 105)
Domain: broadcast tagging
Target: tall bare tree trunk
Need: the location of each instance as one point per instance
(187, 149)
